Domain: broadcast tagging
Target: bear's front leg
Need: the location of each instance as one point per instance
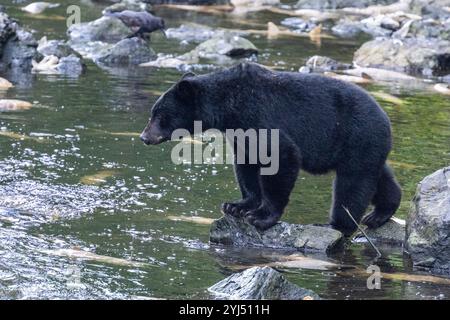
(247, 176)
(276, 190)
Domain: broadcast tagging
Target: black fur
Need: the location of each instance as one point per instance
(325, 124)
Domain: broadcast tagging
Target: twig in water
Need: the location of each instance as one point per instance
(362, 231)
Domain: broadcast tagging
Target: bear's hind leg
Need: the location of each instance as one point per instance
(247, 176)
(352, 191)
(386, 200)
(276, 190)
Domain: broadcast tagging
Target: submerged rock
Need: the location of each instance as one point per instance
(426, 56)
(104, 29)
(260, 283)
(71, 65)
(132, 51)
(231, 231)
(428, 223)
(194, 32)
(299, 24)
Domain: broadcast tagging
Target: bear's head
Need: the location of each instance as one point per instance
(175, 109)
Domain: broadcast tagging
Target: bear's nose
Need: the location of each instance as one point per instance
(144, 140)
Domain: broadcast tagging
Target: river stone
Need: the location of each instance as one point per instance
(392, 232)
(71, 66)
(427, 28)
(431, 8)
(58, 48)
(231, 231)
(322, 63)
(226, 44)
(260, 283)
(132, 51)
(298, 24)
(346, 28)
(410, 55)
(194, 32)
(105, 29)
(428, 223)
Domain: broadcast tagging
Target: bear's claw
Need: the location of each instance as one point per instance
(237, 209)
(234, 209)
(261, 218)
(375, 219)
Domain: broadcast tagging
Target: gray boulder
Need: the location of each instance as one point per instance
(19, 51)
(231, 231)
(260, 283)
(194, 32)
(223, 48)
(428, 223)
(58, 48)
(126, 52)
(411, 55)
(105, 29)
(298, 24)
(226, 44)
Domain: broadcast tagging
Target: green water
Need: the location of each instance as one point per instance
(74, 128)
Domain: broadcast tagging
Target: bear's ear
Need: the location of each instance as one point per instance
(188, 75)
(187, 90)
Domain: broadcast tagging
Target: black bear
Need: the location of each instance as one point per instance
(324, 124)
